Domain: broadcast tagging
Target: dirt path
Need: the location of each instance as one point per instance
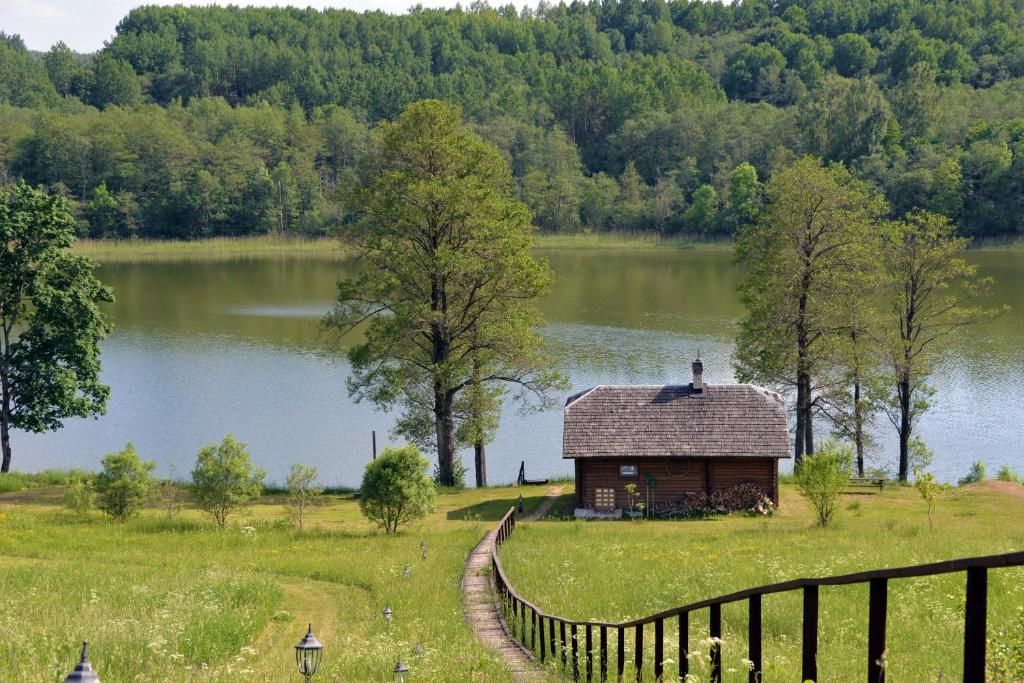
(553, 493)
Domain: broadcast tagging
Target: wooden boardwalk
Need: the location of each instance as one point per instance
(482, 613)
(481, 608)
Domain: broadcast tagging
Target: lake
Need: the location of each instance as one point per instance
(201, 349)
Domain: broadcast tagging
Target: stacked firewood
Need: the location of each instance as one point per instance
(748, 497)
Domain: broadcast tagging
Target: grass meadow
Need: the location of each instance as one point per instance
(180, 599)
(616, 571)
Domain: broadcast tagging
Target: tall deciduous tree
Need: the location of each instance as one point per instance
(50, 322)
(448, 281)
(801, 256)
(931, 292)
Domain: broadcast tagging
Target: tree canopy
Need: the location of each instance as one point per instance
(447, 282)
(224, 120)
(50, 321)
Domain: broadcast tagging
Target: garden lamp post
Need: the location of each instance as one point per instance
(308, 653)
(520, 504)
(388, 616)
(400, 671)
(83, 672)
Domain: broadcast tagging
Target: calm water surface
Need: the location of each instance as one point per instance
(202, 349)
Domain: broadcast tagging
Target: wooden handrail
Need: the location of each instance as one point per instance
(974, 630)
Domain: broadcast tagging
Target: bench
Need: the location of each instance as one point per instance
(873, 482)
(521, 480)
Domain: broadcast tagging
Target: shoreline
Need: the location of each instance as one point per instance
(266, 246)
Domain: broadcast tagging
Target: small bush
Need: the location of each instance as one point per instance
(458, 474)
(224, 479)
(303, 490)
(125, 484)
(929, 489)
(79, 496)
(396, 489)
(1005, 473)
(821, 478)
(974, 475)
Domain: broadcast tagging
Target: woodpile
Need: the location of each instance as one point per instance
(742, 497)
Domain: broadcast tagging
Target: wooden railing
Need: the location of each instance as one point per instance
(547, 635)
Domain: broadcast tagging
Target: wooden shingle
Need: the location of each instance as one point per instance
(724, 420)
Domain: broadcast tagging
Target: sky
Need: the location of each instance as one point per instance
(86, 24)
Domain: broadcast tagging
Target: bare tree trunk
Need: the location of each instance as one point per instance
(445, 425)
(808, 418)
(5, 442)
(798, 441)
(480, 458)
(858, 428)
(906, 426)
(5, 411)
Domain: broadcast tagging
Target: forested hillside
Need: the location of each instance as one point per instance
(615, 115)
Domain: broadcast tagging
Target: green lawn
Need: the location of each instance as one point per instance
(181, 599)
(616, 571)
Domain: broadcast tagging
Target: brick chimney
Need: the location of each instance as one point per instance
(698, 376)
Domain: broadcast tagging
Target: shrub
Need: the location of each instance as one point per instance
(125, 484)
(929, 489)
(396, 488)
(224, 479)
(974, 475)
(822, 477)
(303, 490)
(1005, 473)
(78, 495)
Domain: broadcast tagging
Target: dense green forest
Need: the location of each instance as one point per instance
(614, 115)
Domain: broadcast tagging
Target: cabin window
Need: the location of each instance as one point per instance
(627, 470)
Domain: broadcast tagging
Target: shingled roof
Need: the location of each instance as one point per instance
(724, 420)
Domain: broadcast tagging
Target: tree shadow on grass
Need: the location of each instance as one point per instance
(494, 510)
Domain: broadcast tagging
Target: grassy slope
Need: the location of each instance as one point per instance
(622, 570)
(230, 605)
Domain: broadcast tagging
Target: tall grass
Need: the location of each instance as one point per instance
(211, 249)
(178, 599)
(616, 571)
(628, 240)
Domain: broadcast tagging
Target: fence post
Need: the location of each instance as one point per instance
(575, 654)
(551, 636)
(561, 631)
(715, 623)
(879, 598)
(659, 648)
(541, 622)
(754, 638)
(533, 630)
(621, 662)
(684, 644)
(638, 655)
(974, 624)
(590, 653)
(810, 639)
(604, 654)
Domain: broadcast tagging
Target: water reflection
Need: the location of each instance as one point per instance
(202, 349)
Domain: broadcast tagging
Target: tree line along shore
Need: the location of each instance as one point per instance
(661, 117)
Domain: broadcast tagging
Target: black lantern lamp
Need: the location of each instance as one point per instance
(308, 653)
(401, 672)
(520, 504)
(83, 673)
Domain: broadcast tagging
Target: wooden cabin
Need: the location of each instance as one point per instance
(671, 441)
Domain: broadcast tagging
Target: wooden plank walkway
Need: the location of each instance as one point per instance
(481, 611)
(481, 608)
